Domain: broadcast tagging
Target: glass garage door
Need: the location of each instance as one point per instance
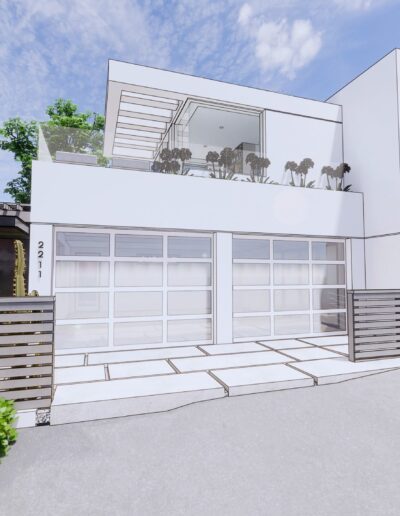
(287, 287)
(124, 288)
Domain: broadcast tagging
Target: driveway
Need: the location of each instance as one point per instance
(327, 451)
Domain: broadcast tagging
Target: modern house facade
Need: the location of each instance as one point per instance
(144, 245)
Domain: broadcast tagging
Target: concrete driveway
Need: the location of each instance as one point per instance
(327, 451)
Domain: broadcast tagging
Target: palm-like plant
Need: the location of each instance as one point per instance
(338, 175)
(212, 157)
(303, 169)
(292, 166)
(257, 168)
(184, 155)
(340, 171)
(225, 160)
(328, 171)
(169, 163)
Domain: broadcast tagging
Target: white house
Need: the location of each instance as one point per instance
(135, 256)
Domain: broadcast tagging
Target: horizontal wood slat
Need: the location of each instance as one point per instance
(16, 372)
(33, 404)
(17, 383)
(33, 327)
(26, 317)
(374, 324)
(27, 351)
(26, 339)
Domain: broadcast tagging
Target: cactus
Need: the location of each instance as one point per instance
(19, 269)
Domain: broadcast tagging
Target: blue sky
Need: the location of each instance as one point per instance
(59, 48)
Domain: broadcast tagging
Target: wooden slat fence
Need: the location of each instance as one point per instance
(26, 351)
(374, 324)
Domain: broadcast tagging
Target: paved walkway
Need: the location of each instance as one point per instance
(153, 379)
(326, 451)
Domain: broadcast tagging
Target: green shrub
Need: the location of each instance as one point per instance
(8, 434)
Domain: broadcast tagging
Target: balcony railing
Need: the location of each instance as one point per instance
(174, 154)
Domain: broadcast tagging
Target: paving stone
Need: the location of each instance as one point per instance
(310, 353)
(340, 369)
(248, 380)
(133, 387)
(341, 348)
(242, 347)
(327, 341)
(110, 357)
(78, 374)
(129, 369)
(285, 344)
(69, 360)
(228, 361)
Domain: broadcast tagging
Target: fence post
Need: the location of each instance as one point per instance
(350, 324)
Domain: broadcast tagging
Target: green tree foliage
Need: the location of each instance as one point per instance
(67, 129)
(8, 434)
(20, 138)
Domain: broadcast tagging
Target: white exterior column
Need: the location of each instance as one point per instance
(355, 263)
(223, 288)
(41, 258)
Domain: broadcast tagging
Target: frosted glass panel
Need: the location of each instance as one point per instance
(250, 274)
(136, 246)
(189, 303)
(189, 330)
(82, 244)
(138, 274)
(290, 324)
(290, 274)
(83, 305)
(147, 332)
(71, 336)
(329, 274)
(329, 298)
(329, 251)
(189, 247)
(290, 250)
(329, 322)
(247, 301)
(251, 327)
(82, 274)
(137, 304)
(189, 274)
(291, 300)
(252, 249)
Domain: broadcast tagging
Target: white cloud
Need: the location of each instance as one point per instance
(286, 48)
(357, 5)
(245, 14)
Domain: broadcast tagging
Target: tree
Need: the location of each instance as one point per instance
(21, 138)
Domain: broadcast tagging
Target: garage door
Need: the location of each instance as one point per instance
(285, 287)
(124, 288)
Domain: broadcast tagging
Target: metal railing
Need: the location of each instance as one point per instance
(27, 351)
(374, 324)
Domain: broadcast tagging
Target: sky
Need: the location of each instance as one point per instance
(60, 48)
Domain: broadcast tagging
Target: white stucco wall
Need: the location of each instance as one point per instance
(81, 195)
(293, 137)
(371, 147)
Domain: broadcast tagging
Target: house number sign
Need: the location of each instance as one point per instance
(40, 255)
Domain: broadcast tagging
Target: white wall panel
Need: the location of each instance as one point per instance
(150, 200)
(41, 259)
(292, 138)
(383, 262)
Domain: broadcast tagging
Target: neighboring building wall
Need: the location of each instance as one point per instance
(371, 147)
